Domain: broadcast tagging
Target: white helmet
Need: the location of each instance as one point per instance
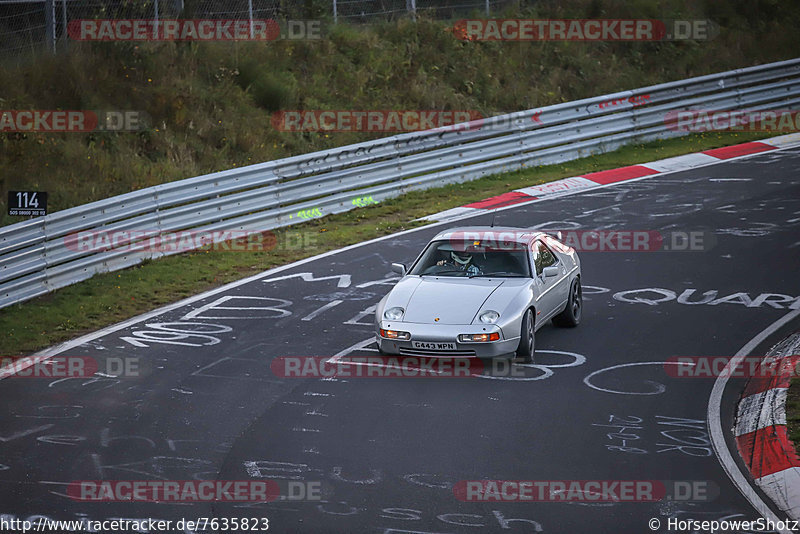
(461, 258)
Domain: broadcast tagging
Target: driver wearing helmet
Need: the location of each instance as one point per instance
(462, 261)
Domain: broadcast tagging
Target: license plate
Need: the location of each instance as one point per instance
(433, 346)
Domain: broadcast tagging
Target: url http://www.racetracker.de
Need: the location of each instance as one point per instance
(722, 525)
(186, 526)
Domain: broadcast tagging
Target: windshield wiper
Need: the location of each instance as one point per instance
(495, 273)
(447, 271)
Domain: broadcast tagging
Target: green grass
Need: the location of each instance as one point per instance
(793, 413)
(110, 298)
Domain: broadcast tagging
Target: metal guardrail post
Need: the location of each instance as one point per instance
(64, 33)
(155, 17)
(50, 24)
(250, 17)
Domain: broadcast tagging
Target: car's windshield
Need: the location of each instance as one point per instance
(473, 258)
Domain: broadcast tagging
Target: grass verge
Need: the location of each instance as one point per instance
(793, 413)
(109, 298)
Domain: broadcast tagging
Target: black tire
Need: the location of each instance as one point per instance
(571, 316)
(527, 338)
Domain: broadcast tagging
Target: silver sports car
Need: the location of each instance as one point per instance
(480, 292)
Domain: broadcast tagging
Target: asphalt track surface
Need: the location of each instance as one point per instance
(387, 452)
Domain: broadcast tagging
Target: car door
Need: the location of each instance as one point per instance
(553, 290)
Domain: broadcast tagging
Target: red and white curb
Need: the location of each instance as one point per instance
(760, 430)
(622, 174)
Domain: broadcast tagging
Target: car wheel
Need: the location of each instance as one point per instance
(526, 339)
(571, 316)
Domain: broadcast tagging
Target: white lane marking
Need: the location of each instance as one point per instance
(572, 183)
(715, 421)
(730, 179)
(361, 345)
(782, 140)
(660, 388)
(357, 346)
(366, 312)
(783, 486)
(579, 359)
(278, 308)
(447, 215)
(316, 312)
(758, 411)
(344, 279)
(20, 365)
(682, 162)
(382, 282)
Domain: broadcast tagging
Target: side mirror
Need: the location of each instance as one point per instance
(551, 271)
(399, 268)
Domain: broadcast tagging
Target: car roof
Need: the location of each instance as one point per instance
(494, 233)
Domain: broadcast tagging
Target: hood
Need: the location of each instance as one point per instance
(452, 300)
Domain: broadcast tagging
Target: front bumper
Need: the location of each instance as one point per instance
(445, 333)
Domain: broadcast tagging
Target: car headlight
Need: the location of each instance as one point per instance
(478, 338)
(394, 334)
(489, 317)
(394, 314)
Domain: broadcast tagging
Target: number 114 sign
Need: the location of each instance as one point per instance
(27, 203)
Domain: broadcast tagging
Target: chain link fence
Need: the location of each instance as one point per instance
(42, 24)
(23, 26)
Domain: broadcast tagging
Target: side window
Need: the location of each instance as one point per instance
(543, 257)
(537, 259)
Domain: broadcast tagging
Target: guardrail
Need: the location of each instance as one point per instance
(35, 258)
